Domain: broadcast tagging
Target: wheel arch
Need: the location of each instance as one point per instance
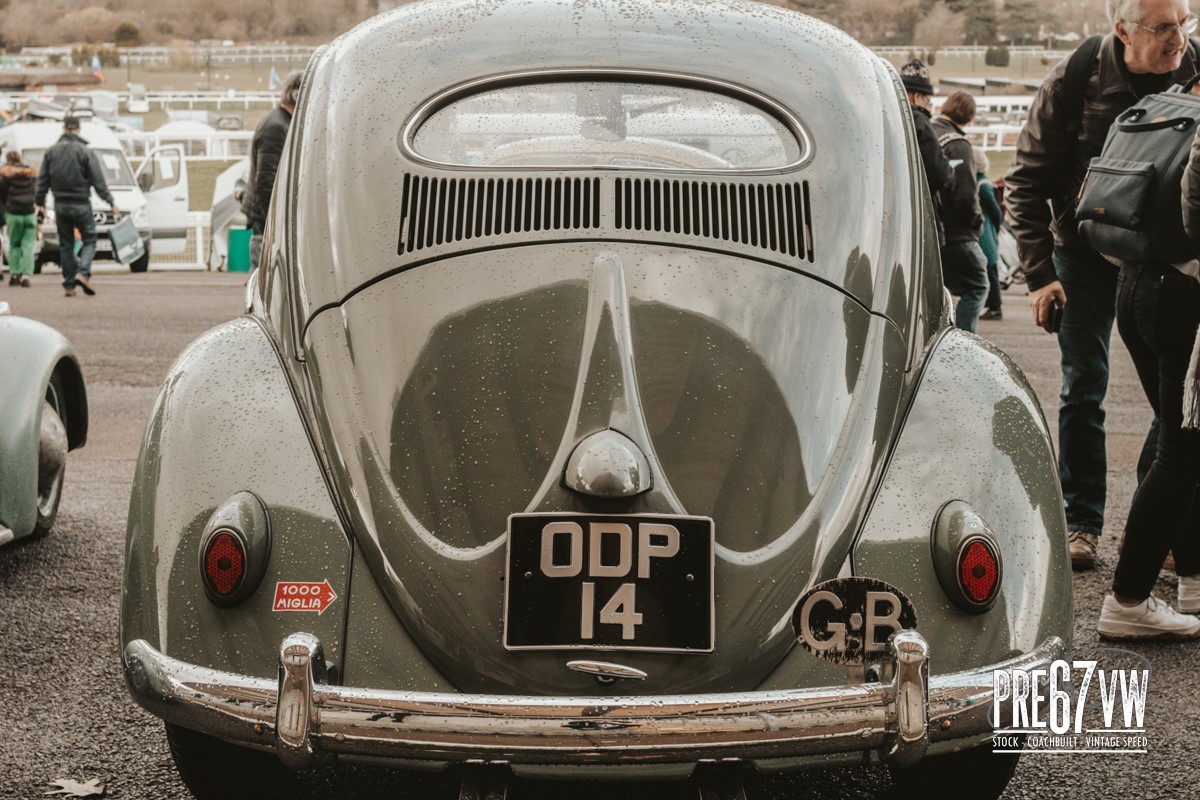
(31, 353)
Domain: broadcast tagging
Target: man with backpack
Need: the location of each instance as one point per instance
(1072, 288)
(964, 266)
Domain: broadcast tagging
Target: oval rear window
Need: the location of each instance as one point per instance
(606, 124)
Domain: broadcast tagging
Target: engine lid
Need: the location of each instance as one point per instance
(593, 382)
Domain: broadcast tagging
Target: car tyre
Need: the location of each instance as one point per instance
(51, 470)
(212, 768)
(985, 772)
(141, 264)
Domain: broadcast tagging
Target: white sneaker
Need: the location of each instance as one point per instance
(1149, 619)
(1189, 594)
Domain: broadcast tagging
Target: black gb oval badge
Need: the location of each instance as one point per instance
(849, 620)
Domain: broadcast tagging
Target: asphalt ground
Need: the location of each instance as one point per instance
(64, 712)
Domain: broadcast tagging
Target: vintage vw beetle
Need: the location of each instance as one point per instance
(45, 415)
(596, 412)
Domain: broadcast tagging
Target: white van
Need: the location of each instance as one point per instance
(156, 196)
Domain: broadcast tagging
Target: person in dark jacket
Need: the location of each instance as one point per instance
(266, 148)
(993, 217)
(964, 268)
(70, 171)
(917, 83)
(1146, 51)
(18, 183)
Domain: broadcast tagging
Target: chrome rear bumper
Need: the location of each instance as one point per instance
(304, 719)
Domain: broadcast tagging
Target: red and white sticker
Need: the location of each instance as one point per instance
(303, 596)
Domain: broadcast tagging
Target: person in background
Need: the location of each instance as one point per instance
(1145, 52)
(18, 184)
(964, 267)
(917, 83)
(266, 148)
(70, 170)
(989, 205)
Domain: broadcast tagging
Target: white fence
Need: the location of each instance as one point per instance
(229, 98)
(229, 55)
(195, 254)
(218, 145)
(193, 56)
(969, 50)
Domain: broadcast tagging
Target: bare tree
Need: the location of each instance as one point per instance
(91, 24)
(23, 25)
(940, 27)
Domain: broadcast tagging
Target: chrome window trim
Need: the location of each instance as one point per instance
(477, 86)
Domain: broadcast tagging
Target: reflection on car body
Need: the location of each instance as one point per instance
(568, 452)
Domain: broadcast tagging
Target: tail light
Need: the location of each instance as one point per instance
(966, 557)
(224, 564)
(234, 549)
(978, 570)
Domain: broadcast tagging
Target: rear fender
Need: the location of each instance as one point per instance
(974, 433)
(225, 422)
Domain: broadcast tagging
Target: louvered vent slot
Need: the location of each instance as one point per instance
(774, 217)
(445, 210)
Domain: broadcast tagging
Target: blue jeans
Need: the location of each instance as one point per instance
(964, 271)
(1090, 283)
(67, 219)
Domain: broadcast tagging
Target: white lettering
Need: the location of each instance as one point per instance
(1035, 696)
(575, 563)
(622, 610)
(596, 533)
(1080, 702)
(891, 619)
(837, 638)
(1001, 691)
(1060, 701)
(588, 612)
(648, 550)
(1133, 696)
(1020, 693)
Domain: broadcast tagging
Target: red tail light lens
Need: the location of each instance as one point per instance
(978, 571)
(224, 563)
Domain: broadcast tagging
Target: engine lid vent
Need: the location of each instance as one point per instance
(774, 217)
(446, 210)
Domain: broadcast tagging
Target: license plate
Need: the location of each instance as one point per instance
(609, 582)
(103, 245)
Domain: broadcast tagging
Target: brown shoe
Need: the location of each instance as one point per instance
(1083, 549)
(83, 283)
(68, 293)
(25, 281)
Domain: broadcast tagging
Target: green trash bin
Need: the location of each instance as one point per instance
(239, 250)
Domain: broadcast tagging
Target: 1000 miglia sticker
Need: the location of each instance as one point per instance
(303, 596)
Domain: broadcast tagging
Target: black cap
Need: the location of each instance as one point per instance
(915, 77)
(71, 123)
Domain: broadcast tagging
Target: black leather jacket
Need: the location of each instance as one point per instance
(70, 170)
(265, 151)
(1053, 152)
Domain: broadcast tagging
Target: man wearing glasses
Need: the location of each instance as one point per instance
(1146, 52)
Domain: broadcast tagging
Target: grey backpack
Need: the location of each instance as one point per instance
(1129, 204)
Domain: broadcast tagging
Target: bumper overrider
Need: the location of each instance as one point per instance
(305, 720)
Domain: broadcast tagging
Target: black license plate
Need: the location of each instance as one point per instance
(609, 582)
